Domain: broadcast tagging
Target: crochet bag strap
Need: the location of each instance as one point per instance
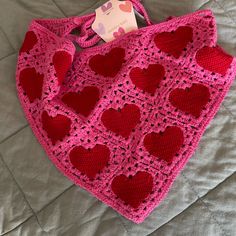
(88, 37)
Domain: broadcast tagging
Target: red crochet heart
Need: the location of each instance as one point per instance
(29, 42)
(84, 101)
(62, 61)
(174, 42)
(108, 64)
(134, 189)
(148, 79)
(56, 127)
(191, 100)
(165, 144)
(90, 161)
(122, 121)
(32, 83)
(214, 59)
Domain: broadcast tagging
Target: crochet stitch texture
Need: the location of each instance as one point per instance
(122, 119)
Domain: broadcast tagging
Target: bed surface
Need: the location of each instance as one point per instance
(36, 199)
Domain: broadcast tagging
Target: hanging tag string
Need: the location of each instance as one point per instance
(138, 6)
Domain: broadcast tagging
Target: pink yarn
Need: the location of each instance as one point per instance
(128, 156)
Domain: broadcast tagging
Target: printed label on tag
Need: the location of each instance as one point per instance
(114, 19)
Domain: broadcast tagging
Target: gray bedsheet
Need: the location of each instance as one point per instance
(36, 199)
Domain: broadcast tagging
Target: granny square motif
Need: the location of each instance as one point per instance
(121, 119)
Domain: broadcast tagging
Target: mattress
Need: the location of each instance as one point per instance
(36, 199)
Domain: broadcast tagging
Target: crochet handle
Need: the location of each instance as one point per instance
(88, 38)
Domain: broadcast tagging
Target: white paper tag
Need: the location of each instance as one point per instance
(114, 19)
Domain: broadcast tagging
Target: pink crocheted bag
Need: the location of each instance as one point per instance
(121, 119)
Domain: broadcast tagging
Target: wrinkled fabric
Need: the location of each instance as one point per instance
(38, 200)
